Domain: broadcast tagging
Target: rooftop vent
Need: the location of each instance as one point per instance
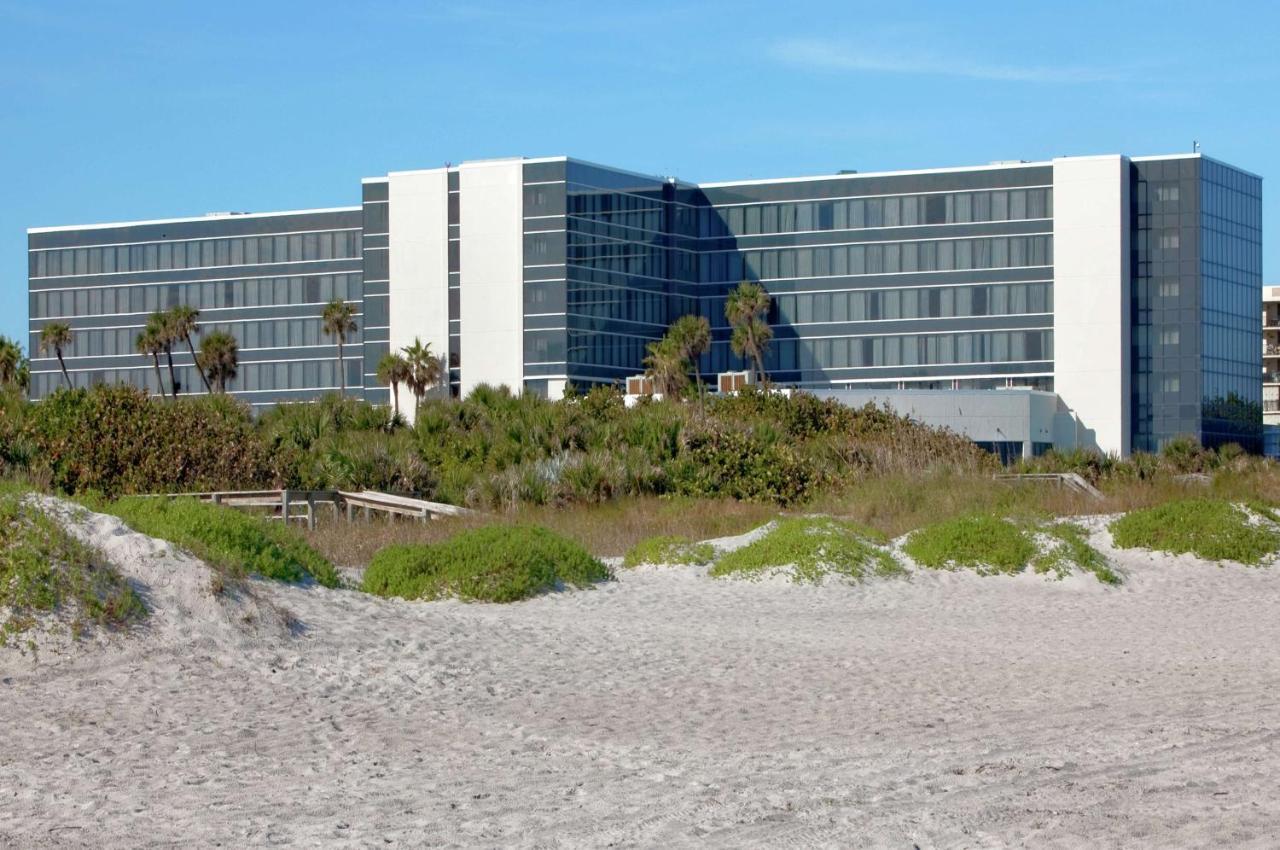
(1009, 161)
(847, 171)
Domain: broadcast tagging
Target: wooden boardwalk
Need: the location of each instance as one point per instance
(301, 504)
(1070, 480)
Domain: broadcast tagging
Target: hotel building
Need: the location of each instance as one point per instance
(1124, 289)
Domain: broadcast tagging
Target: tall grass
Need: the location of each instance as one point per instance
(606, 529)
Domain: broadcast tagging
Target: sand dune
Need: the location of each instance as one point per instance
(662, 709)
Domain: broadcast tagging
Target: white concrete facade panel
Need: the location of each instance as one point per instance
(1091, 283)
(491, 223)
(418, 261)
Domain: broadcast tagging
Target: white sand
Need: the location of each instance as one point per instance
(664, 709)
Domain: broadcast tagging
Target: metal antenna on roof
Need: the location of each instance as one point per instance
(1195, 146)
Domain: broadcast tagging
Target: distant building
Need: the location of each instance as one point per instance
(1126, 286)
(1271, 368)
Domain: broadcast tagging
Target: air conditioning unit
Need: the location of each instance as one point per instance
(732, 382)
(639, 385)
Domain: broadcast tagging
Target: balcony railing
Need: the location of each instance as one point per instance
(1270, 405)
(1271, 377)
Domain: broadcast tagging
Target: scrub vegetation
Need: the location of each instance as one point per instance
(810, 549)
(1213, 529)
(238, 543)
(1070, 549)
(679, 551)
(985, 543)
(45, 571)
(490, 564)
(491, 450)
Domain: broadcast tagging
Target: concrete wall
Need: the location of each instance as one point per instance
(1024, 416)
(1091, 336)
(491, 224)
(419, 263)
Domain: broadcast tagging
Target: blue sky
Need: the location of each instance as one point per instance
(119, 110)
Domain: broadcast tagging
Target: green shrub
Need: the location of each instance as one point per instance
(1213, 529)
(751, 465)
(986, 543)
(812, 547)
(1072, 549)
(495, 563)
(117, 439)
(44, 569)
(227, 538)
(669, 550)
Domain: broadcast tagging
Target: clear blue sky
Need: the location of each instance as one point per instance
(117, 110)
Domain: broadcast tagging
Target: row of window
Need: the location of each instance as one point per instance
(649, 213)
(617, 350)
(267, 333)
(905, 211)
(196, 253)
(318, 375)
(612, 302)
(919, 303)
(993, 252)
(205, 295)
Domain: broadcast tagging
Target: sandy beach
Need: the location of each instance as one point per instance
(661, 709)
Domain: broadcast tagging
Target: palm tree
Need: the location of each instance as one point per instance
(339, 320)
(161, 326)
(148, 342)
(667, 366)
(393, 370)
(182, 323)
(54, 337)
(692, 335)
(424, 370)
(13, 365)
(219, 358)
(746, 308)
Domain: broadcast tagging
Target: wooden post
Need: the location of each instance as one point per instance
(366, 513)
(217, 498)
(284, 506)
(351, 512)
(311, 512)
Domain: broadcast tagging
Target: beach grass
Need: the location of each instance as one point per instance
(671, 550)
(43, 569)
(1071, 549)
(811, 549)
(231, 540)
(608, 529)
(988, 544)
(495, 563)
(1210, 528)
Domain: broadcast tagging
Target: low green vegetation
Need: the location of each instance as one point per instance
(1263, 510)
(227, 539)
(811, 548)
(495, 563)
(986, 543)
(1071, 549)
(490, 450)
(669, 550)
(1213, 529)
(45, 570)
